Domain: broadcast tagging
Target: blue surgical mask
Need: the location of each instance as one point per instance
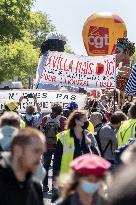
(89, 187)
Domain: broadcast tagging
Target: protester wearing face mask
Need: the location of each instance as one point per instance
(75, 141)
(85, 185)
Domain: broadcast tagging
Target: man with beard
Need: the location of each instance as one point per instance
(17, 187)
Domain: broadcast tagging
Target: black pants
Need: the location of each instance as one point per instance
(47, 157)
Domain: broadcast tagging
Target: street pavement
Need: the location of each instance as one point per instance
(48, 202)
(47, 197)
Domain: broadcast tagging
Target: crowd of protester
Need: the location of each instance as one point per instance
(91, 153)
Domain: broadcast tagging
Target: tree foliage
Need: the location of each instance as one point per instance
(39, 26)
(18, 60)
(21, 33)
(14, 15)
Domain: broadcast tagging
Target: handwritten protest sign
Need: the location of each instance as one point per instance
(44, 98)
(79, 71)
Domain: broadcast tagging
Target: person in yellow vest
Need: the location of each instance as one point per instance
(11, 105)
(90, 128)
(127, 129)
(76, 140)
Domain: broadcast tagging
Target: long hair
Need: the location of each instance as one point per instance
(75, 115)
(68, 184)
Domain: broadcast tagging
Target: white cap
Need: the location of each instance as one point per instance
(55, 35)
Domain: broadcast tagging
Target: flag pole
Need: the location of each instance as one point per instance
(115, 89)
(114, 107)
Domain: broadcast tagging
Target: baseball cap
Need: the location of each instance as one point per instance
(72, 105)
(11, 105)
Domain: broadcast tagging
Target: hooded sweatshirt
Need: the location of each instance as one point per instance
(6, 137)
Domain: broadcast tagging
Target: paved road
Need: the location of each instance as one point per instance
(47, 197)
(47, 202)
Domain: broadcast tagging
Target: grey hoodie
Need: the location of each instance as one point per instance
(6, 136)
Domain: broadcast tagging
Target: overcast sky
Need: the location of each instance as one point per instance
(69, 16)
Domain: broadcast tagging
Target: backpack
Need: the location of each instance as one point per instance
(118, 152)
(28, 123)
(99, 142)
(51, 128)
(91, 142)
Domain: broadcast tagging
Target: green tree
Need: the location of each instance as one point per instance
(18, 60)
(14, 15)
(21, 33)
(68, 49)
(39, 26)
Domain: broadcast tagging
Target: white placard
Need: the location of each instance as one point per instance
(80, 71)
(44, 98)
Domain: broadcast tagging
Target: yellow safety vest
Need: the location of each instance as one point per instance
(22, 124)
(91, 128)
(126, 131)
(68, 150)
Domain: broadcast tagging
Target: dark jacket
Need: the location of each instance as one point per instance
(74, 199)
(14, 192)
(123, 186)
(80, 149)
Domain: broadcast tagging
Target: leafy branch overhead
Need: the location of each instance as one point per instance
(14, 15)
(21, 34)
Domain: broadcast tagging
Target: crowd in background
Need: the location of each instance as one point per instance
(91, 152)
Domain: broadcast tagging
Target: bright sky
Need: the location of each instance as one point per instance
(69, 16)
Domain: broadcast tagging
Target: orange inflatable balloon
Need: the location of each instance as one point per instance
(100, 33)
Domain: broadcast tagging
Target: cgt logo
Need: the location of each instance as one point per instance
(98, 39)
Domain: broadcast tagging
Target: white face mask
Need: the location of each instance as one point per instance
(89, 187)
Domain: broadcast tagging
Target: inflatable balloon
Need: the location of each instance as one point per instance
(100, 33)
